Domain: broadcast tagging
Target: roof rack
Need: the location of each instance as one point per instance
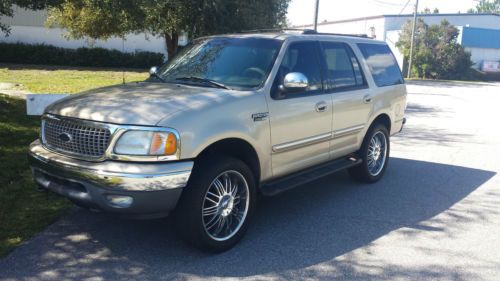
(303, 31)
(271, 30)
(313, 32)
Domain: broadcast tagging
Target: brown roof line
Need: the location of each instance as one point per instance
(394, 16)
(340, 21)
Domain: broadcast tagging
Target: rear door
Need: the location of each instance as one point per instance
(301, 123)
(352, 106)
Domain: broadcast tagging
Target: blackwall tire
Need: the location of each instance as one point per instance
(215, 208)
(375, 152)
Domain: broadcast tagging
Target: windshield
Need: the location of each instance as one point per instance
(237, 63)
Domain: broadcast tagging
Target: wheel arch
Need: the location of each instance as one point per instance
(384, 119)
(237, 148)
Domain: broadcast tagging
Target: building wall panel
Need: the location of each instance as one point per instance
(55, 37)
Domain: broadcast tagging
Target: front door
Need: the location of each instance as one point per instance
(301, 123)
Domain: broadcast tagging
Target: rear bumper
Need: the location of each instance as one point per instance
(135, 189)
(397, 126)
(403, 124)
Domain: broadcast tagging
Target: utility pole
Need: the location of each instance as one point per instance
(316, 15)
(123, 65)
(412, 39)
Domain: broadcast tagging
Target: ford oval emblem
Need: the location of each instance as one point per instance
(65, 137)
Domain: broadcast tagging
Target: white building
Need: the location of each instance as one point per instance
(479, 33)
(29, 27)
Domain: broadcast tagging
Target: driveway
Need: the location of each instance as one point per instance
(435, 215)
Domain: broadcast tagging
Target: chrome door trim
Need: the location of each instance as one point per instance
(348, 131)
(302, 142)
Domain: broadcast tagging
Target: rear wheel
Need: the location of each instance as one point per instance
(375, 154)
(216, 206)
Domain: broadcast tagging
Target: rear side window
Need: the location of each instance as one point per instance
(342, 67)
(382, 64)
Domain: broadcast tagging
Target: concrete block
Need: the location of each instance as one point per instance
(36, 103)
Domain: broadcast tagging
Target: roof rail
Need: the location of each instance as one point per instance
(313, 32)
(303, 31)
(271, 30)
(348, 35)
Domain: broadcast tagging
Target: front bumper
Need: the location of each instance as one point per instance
(131, 188)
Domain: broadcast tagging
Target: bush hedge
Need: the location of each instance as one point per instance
(93, 57)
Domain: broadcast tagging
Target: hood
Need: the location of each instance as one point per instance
(139, 103)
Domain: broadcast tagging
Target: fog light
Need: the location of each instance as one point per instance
(119, 201)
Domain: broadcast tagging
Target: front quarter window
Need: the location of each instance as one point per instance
(239, 63)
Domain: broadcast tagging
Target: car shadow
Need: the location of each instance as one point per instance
(312, 224)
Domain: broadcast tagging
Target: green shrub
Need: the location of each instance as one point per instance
(93, 57)
(437, 53)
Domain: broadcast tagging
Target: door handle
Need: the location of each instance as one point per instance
(321, 106)
(367, 99)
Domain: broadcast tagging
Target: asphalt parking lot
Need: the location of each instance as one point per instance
(435, 215)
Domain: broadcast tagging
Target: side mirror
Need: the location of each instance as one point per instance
(153, 71)
(294, 82)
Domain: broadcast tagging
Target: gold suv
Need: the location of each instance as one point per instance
(228, 118)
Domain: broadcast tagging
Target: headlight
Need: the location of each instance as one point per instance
(136, 142)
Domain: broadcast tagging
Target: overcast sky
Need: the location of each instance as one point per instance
(302, 11)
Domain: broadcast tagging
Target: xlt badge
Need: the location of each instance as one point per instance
(261, 116)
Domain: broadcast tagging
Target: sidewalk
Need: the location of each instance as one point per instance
(10, 90)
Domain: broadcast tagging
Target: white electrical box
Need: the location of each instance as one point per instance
(36, 103)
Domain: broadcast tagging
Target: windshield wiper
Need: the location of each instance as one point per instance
(158, 77)
(203, 80)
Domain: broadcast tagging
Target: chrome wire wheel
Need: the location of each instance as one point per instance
(377, 153)
(225, 205)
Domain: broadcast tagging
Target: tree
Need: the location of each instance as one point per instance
(6, 8)
(486, 6)
(102, 19)
(437, 53)
(428, 11)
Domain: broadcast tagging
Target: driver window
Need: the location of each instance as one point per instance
(301, 57)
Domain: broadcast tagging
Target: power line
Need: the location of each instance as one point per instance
(387, 3)
(406, 5)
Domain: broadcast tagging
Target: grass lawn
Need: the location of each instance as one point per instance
(55, 79)
(24, 211)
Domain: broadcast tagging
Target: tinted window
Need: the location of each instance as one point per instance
(342, 67)
(236, 62)
(382, 64)
(301, 57)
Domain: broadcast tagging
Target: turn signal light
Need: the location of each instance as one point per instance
(163, 144)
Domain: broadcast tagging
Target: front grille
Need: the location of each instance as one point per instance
(75, 137)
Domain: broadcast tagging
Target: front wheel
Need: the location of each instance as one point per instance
(375, 154)
(214, 211)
